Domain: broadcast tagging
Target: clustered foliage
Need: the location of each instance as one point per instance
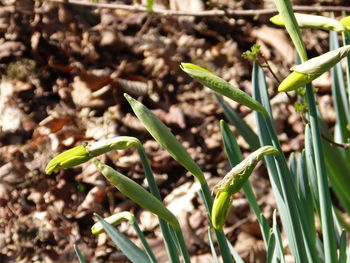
(300, 185)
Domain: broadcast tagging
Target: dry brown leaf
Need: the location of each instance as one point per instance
(11, 48)
(277, 39)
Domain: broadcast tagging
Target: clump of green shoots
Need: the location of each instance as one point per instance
(300, 186)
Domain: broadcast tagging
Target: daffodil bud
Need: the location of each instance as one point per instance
(312, 21)
(221, 86)
(312, 69)
(117, 143)
(68, 159)
(114, 220)
(346, 22)
(84, 153)
(233, 182)
(137, 193)
(165, 138)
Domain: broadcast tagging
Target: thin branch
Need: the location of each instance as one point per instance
(342, 145)
(226, 12)
(267, 65)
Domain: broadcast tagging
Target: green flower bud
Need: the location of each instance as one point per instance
(295, 80)
(82, 153)
(312, 21)
(346, 22)
(137, 193)
(221, 206)
(115, 219)
(68, 159)
(165, 138)
(233, 182)
(312, 69)
(117, 143)
(221, 86)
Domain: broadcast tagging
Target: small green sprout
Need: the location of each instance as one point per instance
(253, 53)
(233, 182)
(313, 21)
(313, 68)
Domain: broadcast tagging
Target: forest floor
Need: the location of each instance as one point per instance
(64, 71)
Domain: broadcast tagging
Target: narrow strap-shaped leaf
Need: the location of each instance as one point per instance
(293, 167)
(279, 173)
(212, 247)
(130, 250)
(346, 40)
(285, 9)
(144, 242)
(279, 252)
(340, 101)
(116, 219)
(242, 127)
(342, 248)
(170, 246)
(306, 205)
(79, 254)
(310, 166)
(235, 255)
(322, 181)
(271, 247)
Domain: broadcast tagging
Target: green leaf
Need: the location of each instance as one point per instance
(340, 101)
(342, 248)
(285, 9)
(242, 127)
(212, 247)
(130, 250)
(79, 254)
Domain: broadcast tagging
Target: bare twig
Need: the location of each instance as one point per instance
(267, 65)
(342, 145)
(227, 12)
